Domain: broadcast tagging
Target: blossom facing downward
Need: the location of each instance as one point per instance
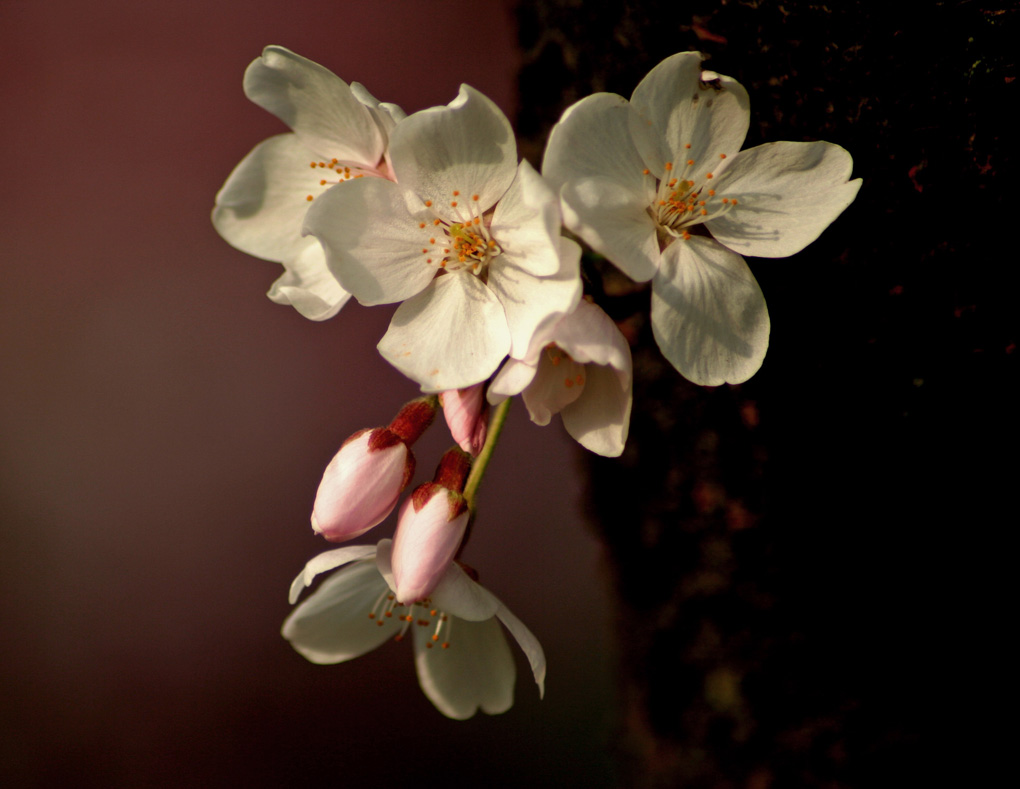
(468, 239)
(340, 132)
(579, 367)
(660, 186)
(462, 657)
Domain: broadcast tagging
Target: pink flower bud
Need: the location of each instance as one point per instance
(361, 484)
(431, 525)
(467, 415)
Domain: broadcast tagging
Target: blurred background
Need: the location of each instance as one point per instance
(789, 595)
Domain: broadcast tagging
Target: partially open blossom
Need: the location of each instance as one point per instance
(578, 366)
(462, 658)
(363, 481)
(340, 132)
(430, 528)
(645, 182)
(466, 238)
(467, 416)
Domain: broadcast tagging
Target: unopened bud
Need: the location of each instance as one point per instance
(467, 415)
(430, 528)
(362, 482)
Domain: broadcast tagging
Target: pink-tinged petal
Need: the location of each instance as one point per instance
(787, 194)
(467, 146)
(529, 301)
(375, 247)
(615, 222)
(319, 106)
(361, 484)
(593, 139)
(679, 110)
(333, 624)
(558, 382)
(467, 417)
(450, 336)
(263, 203)
(425, 542)
(526, 223)
(599, 419)
(511, 380)
(528, 643)
(708, 313)
(476, 672)
(325, 562)
(308, 285)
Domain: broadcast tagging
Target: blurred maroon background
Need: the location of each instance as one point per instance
(165, 425)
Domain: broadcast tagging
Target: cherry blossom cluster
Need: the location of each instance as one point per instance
(433, 212)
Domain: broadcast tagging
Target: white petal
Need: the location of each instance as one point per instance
(530, 301)
(451, 335)
(708, 313)
(316, 104)
(554, 387)
(600, 418)
(476, 672)
(511, 380)
(263, 203)
(589, 335)
(787, 192)
(679, 110)
(373, 244)
(593, 139)
(333, 624)
(308, 285)
(615, 222)
(466, 146)
(459, 596)
(386, 115)
(325, 562)
(528, 643)
(526, 223)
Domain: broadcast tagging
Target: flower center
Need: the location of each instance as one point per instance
(460, 236)
(684, 197)
(420, 614)
(336, 172)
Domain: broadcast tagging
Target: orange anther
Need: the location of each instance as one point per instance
(669, 166)
(725, 200)
(722, 156)
(711, 192)
(453, 203)
(322, 182)
(313, 165)
(456, 192)
(646, 171)
(708, 175)
(734, 201)
(435, 221)
(432, 241)
(428, 203)
(690, 162)
(568, 382)
(704, 212)
(446, 645)
(421, 224)
(687, 146)
(309, 198)
(474, 197)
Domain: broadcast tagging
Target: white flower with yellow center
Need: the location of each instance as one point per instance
(460, 653)
(642, 181)
(341, 133)
(466, 238)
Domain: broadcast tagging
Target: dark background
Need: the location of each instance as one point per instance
(804, 574)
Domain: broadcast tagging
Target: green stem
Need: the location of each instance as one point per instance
(496, 422)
